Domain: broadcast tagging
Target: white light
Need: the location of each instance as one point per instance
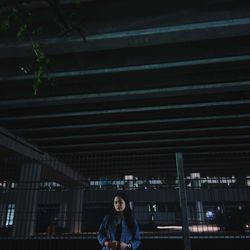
(193, 228)
(195, 175)
(203, 228)
(170, 227)
(210, 214)
(129, 177)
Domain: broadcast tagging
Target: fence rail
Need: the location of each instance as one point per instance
(40, 201)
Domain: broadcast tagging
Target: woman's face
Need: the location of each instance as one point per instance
(119, 204)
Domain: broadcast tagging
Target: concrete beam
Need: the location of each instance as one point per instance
(128, 110)
(25, 149)
(144, 143)
(135, 68)
(187, 32)
(31, 131)
(187, 149)
(185, 89)
(164, 132)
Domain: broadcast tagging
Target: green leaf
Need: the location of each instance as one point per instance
(22, 31)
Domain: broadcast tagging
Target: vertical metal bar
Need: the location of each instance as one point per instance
(183, 201)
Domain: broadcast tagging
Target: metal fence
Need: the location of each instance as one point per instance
(67, 199)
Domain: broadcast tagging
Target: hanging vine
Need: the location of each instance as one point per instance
(19, 17)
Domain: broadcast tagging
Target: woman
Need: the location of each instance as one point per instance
(119, 230)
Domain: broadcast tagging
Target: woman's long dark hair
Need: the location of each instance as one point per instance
(127, 214)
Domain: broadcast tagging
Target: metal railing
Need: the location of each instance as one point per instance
(42, 203)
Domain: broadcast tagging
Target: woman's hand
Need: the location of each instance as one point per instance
(114, 244)
(111, 244)
(123, 246)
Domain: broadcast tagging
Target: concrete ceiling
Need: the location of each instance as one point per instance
(149, 80)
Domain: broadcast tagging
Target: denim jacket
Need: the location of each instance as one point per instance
(126, 236)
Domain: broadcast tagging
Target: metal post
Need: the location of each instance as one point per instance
(183, 201)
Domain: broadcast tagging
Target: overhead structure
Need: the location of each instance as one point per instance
(146, 80)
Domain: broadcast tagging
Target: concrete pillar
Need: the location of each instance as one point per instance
(200, 211)
(26, 203)
(62, 218)
(4, 202)
(76, 210)
(195, 180)
(129, 181)
(196, 183)
(3, 214)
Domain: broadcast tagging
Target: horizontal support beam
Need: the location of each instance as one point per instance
(39, 4)
(86, 156)
(221, 155)
(172, 29)
(207, 148)
(191, 155)
(127, 163)
(136, 133)
(133, 123)
(146, 162)
(129, 110)
(144, 142)
(21, 147)
(125, 95)
(134, 38)
(136, 68)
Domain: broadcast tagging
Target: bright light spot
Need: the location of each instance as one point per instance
(194, 228)
(129, 177)
(203, 228)
(210, 214)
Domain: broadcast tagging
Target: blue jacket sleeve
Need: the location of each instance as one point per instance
(102, 234)
(136, 241)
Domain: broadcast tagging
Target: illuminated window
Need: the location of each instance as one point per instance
(152, 207)
(3, 184)
(10, 215)
(128, 177)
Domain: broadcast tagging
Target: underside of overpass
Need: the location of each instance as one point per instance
(128, 84)
(140, 79)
